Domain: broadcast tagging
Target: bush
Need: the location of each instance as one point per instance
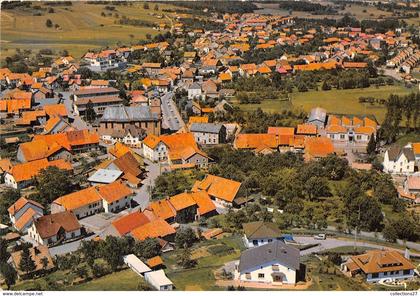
(49, 23)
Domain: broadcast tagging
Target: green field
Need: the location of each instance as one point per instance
(335, 101)
(82, 27)
(126, 280)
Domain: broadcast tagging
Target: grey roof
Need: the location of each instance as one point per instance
(394, 153)
(105, 176)
(260, 229)
(318, 114)
(127, 114)
(195, 85)
(276, 251)
(213, 128)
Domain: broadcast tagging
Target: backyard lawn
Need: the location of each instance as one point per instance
(335, 101)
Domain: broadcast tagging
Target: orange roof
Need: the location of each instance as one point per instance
(376, 261)
(346, 121)
(225, 76)
(207, 110)
(367, 130)
(51, 123)
(357, 121)
(370, 122)
(154, 229)
(335, 129)
(198, 119)
(334, 120)
(151, 141)
(114, 191)
(181, 145)
(25, 218)
(38, 149)
(416, 148)
(354, 65)
(218, 187)
(15, 105)
(78, 199)
(5, 165)
(20, 203)
(162, 209)
(307, 129)
(285, 131)
(155, 261)
(204, 202)
(316, 66)
(182, 201)
(252, 141)
(318, 146)
(128, 222)
(56, 110)
(25, 171)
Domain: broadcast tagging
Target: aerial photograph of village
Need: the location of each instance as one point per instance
(215, 145)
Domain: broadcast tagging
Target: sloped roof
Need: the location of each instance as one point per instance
(20, 203)
(218, 187)
(260, 229)
(128, 114)
(128, 222)
(277, 251)
(155, 229)
(25, 171)
(318, 146)
(49, 225)
(114, 191)
(78, 199)
(382, 261)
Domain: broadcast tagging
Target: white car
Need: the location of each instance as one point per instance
(320, 236)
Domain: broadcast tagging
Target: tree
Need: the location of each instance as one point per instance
(90, 113)
(112, 252)
(44, 262)
(316, 187)
(156, 7)
(49, 23)
(26, 264)
(326, 85)
(82, 272)
(4, 254)
(52, 183)
(9, 274)
(185, 237)
(389, 233)
(184, 259)
(371, 147)
(8, 197)
(146, 5)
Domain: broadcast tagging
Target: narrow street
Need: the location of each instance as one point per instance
(171, 117)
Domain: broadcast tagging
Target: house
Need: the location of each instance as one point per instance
(55, 228)
(21, 175)
(37, 254)
(195, 92)
(122, 117)
(318, 117)
(272, 263)
(221, 190)
(159, 280)
(23, 211)
(154, 229)
(260, 233)
(155, 262)
(111, 198)
(307, 130)
(58, 146)
(129, 222)
(104, 176)
(208, 133)
(317, 147)
(412, 184)
(399, 160)
(377, 265)
(178, 149)
(131, 136)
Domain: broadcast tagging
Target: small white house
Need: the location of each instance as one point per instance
(272, 263)
(260, 233)
(154, 149)
(194, 91)
(399, 160)
(136, 264)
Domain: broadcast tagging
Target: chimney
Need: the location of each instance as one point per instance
(407, 253)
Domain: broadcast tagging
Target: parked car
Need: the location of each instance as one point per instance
(320, 236)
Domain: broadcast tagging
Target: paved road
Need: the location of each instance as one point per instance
(171, 117)
(78, 122)
(142, 196)
(331, 243)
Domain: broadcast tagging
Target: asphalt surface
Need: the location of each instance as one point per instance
(171, 117)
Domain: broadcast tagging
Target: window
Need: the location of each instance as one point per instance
(255, 242)
(260, 275)
(275, 267)
(248, 275)
(375, 275)
(358, 137)
(406, 271)
(386, 273)
(342, 137)
(270, 240)
(72, 235)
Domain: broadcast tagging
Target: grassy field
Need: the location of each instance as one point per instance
(126, 280)
(81, 27)
(335, 101)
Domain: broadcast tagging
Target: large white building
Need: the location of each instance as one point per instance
(399, 160)
(272, 263)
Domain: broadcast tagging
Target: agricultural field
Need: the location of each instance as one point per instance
(336, 101)
(82, 26)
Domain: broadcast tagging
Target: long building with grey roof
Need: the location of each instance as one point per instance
(208, 133)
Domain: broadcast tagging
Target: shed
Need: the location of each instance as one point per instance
(136, 264)
(159, 280)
